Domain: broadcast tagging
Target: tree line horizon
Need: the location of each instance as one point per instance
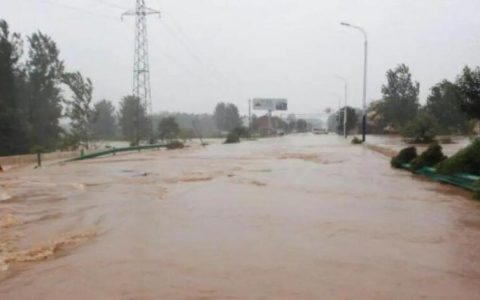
(37, 91)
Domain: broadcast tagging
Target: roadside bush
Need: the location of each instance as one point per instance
(446, 140)
(476, 195)
(175, 145)
(429, 158)
(232, 138)
(68, 142)
(405, 156)
(235, 135)
(356, 141)
(466, 160)
(422, 129)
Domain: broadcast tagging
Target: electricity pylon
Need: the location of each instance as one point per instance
(141, 68)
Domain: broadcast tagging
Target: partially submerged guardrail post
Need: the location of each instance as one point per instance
(39, 159)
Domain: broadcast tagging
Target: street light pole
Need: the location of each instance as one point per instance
(364, 117)
(345, 108)
(250, 115)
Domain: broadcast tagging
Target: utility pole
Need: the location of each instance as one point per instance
(250, 115)
(345, 112)
(141, 67)
(269, 122)
(345, 108)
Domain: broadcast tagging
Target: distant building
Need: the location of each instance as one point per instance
(261, 124)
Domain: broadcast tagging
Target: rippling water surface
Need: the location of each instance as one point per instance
(298, 217)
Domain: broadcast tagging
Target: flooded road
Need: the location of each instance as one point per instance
(298, 217)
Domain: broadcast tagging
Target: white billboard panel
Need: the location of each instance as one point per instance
(270, 104)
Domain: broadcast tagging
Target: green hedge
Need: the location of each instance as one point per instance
(429, 158)
(405, 156)
(466, 160)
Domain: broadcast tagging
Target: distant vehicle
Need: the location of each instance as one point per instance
(319, 131)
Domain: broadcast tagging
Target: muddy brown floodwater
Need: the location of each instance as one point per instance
(298, 217)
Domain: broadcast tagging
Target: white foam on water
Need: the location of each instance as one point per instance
(4, 195)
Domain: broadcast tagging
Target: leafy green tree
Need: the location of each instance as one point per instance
(13, 139)
(400, 97)
(291, 125)
(227, 116)
(44, 71)
(301, 125)
(220, 116)
(168, 128)
(79, 107)
(469, 86)
(232, 117)
(422, 129)
(132, 118)
(204, 123)
(444, 103)
(352, 119)
(103, 123)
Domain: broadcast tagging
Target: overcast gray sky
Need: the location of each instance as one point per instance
(205, 51)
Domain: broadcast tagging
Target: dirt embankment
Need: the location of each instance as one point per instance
(383, 150)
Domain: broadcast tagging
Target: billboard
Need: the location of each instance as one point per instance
(270, 104)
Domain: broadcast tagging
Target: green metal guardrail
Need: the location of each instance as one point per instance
(114, 151)
(463, 180)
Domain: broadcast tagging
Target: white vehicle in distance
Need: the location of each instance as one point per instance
(316, 130)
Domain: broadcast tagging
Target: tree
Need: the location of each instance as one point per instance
(375, 120)
(332, 122)
(469, 86)
(232, 117)
(132, 119)
(44, 72)
(352, 119)
(220, 116)
(79, 110)
(103, 123)
(444, 103)
(422, 129)
(168, 128)
(301, 125)
(291, 125)
(13, 139)
(400, 97)
(226, 116)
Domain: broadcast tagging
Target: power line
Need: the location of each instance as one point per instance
(183, 41)
(113, 5)
(77, 9)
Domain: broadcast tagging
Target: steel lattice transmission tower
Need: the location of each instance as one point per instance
(141, 68)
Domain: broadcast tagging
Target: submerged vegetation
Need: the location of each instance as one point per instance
(429, 158)
(466, 160)
(405, 156)
(175, 145)
(356, 141)
(235, 135)
(461, 169)
(422, 129)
